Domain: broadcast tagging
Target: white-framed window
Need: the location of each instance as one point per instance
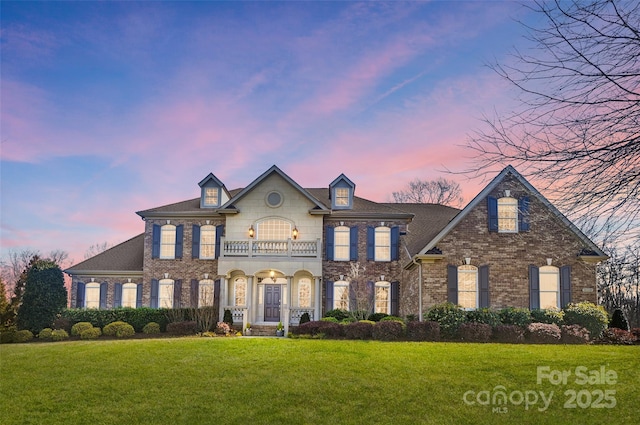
(165, 293)
(341, 243)
(129, 295)
(468, 286)
(207, 242)
(92, 295)
(341, 295)
(341, 195)
(382, 244)
(304, 293)
(168, 241)
(240, 291)
(383, 297)
(212, 196)
(549, 287)
(273, 229)
(507, 215)
(205, 293)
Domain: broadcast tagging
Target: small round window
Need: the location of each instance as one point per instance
(274, 199)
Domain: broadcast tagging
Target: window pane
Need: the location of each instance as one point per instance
(342, 196)
(507, 215)
(341, 243)
(467, 286)
(274, 230)
(211, 196)
(304, 293)
(166, 293)
(207, 241)
(129, 292)
(240, 291)
(383, 244)
(205, 295)
(92, 295)
(168, 241)
(548, 300)
(383, 303)
(341, 297)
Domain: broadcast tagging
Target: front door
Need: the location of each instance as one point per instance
(272, 303)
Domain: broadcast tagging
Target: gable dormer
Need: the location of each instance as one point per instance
(341, 192)
(213, 194)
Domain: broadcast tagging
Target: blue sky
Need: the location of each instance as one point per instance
(114, 107)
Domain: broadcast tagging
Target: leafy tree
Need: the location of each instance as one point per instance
(576, 130)
(440, 191)
(44, 295)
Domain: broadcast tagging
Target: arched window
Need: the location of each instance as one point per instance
(129, 294)
(507, 215)
(92, 295)
(341, 295)
(207, 242)
(383, 243)
(468, 286)
(165, 289)
(383, 297)
(273, 229)
(549, 287)
(304, 293)
(168, 241)
(240, 291)
(205, 293)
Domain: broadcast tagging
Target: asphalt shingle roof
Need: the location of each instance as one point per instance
(126, 257)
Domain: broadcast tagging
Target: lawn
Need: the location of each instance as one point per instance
(297, 381)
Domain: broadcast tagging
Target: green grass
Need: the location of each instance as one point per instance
(283, 381)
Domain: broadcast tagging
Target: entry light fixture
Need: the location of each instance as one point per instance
(549, 261)
(341, 277)
(467, 260)
(272, 274)
(381, 278)
(251, 231)
(294, 232)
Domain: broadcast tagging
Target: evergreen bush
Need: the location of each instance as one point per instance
(574, 334)
(59, 335)
(511, 334)
(376, 317)
(23, 335)
(151, 328)
(616, 336)
(45, 334)
(549, 316)
(484, 315)
(320, 328)
(77, 329)
(423, 331)
(359, 330)
(515, 316)
(227, 318)
(119, 329)
(588, 315)
(543, 333)
(305, 318)
(388, 330)
(474, 332)
(184, 328)
(338, 314)
(449, 316)
(618, 320)
(93, 333)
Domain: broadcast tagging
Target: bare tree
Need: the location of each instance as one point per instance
(619, 283)
(13, 265)
(440, 191)
(577, 129)
(96, 249)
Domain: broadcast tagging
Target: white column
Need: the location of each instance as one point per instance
(318, 301)
(287, 299)
(250, 304)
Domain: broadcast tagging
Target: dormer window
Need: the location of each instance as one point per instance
(211, 196)
(342, 196)
(341, 193)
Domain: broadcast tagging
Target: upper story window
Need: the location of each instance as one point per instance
(341, 243)
(341, 193)
(382, 244)
(341, 295)
(211, 196)
(212, 192)
(207, 242)
(129, 295)
(273, 229)
(468, 286)
(165, 293)
(168, 241)
(304, 293)
(507, 215)
(205, 293)
(240, 291)
(383, 297)
(342, 196)
(549, 287)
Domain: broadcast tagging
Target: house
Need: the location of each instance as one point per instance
(273, 250)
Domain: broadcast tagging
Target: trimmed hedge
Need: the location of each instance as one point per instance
(543, 333)
(337, 314)
(574, 334)
(79, 327)
(136, 317)
(588, 315)
(510, 334)
(119, 329)
(359, 330)
(93, 333)
(484, 315)
(550, 316)
(423, 331)
(617, 336)
(449, 316)
(474, 332)
(45, 334)
(151, 328)
(515, 316)
(59, 335)
(183, 328)
(320, 328)
(388, 330)
(23, 336)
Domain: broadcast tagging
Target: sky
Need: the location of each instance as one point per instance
(108, 108)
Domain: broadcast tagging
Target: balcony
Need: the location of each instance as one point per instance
(286, 249)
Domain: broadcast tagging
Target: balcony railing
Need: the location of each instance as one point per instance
(254, 248)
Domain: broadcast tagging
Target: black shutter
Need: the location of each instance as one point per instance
(195, 241)
(353, 242)
(155, 288)
(177, 293)
(534, 287)
(179, 237)
(139, 295)
(565, 286)
(329, 242)
(395, 243)
(155, 247)
(483, 283)
(328, 303)
(395, 298)
(452, 284)
(523, 214)
(216, 293)
(103, 295)
(371, 243)
(117, 295)
(219, 233)
(492, 208)
(80, 295)
(195, 292)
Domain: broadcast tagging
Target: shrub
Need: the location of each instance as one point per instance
(223, 328)
(318, 327)
(136, 317)
(330, 320)
(549, 316)
(515, 316)
(511, 334)
(412, 318)
(588, 315)
(484, 315)
(151, 328)
(618, 320)
(183, 328)
(543, 333)
(474, 332)
(119, 329)
(375, 317)
(423, 331)
(388, 330)
(7, 334)
(62, 323)
(337, 314)
(227, 318)
(45, 334)
(305, 318)
(23, 336)
(359, 330)
(93, 333)
(636, 333)
(574, 334)
(59, 335)
(79, 327)
(449, 316)
(616, 336)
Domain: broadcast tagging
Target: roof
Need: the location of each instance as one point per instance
(125, 257)
(534, 192)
